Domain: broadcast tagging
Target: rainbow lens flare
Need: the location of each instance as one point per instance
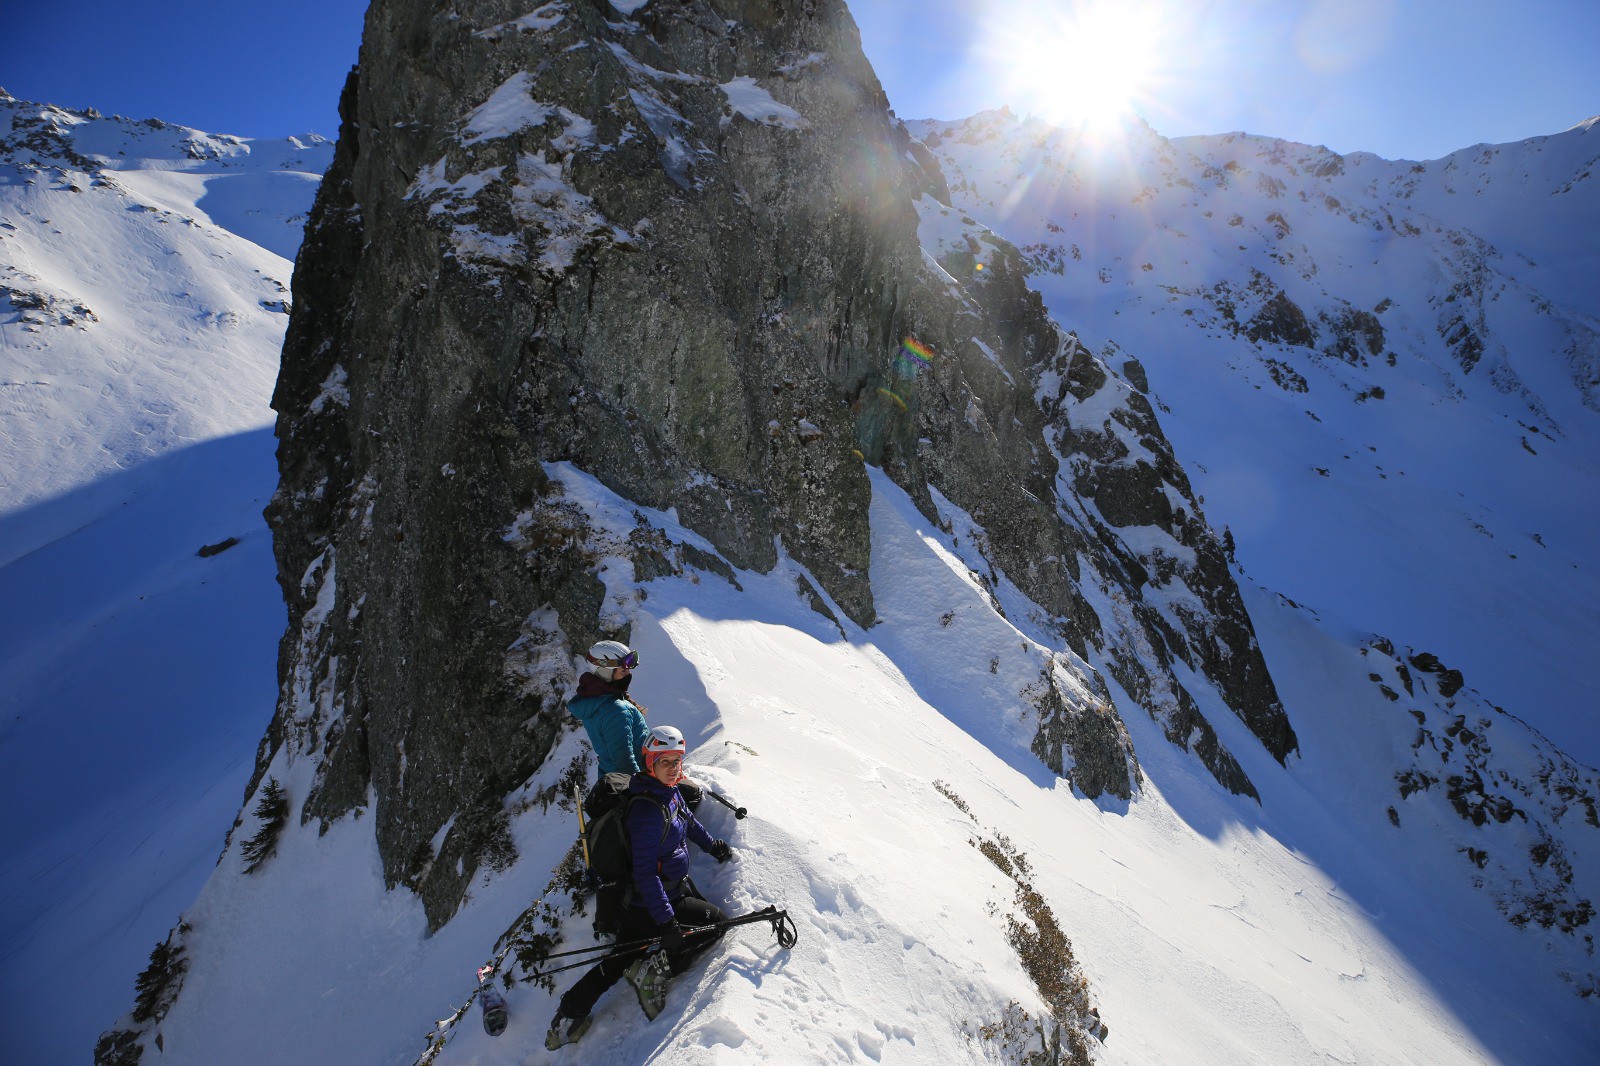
(914, 351)
(914, 358)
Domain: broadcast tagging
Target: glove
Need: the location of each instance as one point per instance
(671, 936)
(720, 851)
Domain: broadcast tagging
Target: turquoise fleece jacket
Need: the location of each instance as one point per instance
(617, 731)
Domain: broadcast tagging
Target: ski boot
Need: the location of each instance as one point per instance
(649, 977)
(564, 1030)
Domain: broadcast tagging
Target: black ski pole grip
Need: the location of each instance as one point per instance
(738, 812)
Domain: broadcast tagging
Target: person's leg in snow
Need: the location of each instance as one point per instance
(572, 1016)
(650, 975)
(695, 913)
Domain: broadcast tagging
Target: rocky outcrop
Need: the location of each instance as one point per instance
(1125, 505)
(1179, 597)
(679, 251)
(1518, 808)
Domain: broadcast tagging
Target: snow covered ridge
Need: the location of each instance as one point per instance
(55, 134)
(237, 177)
(1289, 309)
(144, 273)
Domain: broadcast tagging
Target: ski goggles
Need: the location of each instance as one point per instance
(627, 662)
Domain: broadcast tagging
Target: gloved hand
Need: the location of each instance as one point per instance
(671, 935)
(720, 851)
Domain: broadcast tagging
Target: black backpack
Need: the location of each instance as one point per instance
(610, 852)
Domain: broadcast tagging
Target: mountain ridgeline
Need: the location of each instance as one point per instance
(679, 252)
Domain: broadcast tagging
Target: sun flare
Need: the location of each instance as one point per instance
(1077, 64)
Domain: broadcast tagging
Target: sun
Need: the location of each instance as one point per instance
(1078, 64)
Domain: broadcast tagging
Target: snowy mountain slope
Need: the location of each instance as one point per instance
(1380, 376)
(1210, 928)
(139, 333)
(136, 678)
(144, 288)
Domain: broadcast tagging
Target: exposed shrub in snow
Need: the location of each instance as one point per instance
(155, 990)
(421, 861)
(273, 810)
(119, 1047)
(158, 985)
(1046, 955)
(950, 794)
(1021, 1038)
(528, 941)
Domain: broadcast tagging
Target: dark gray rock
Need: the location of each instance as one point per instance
(1084, 742)
(1281, 321)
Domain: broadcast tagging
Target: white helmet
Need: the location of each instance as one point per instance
(663, 740)
(610, 655)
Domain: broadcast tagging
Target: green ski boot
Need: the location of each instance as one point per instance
(649, 977)
(564, 1030)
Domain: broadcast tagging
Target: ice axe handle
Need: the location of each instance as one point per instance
(738, 812)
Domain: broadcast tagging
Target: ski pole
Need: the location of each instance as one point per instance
(783, 929)
(738, 812)
(639, 945)
(782, 925)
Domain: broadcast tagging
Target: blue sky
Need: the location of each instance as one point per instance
(1402, 79)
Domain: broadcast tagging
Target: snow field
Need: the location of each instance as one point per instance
(135, 681)
(179, 344)
(135, 677)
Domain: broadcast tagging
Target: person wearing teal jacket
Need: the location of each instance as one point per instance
(614, 722)
(613, 719)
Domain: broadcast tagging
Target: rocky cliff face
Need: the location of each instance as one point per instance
(686, 251)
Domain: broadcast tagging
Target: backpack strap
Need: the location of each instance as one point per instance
(666, 819)
(628, 894)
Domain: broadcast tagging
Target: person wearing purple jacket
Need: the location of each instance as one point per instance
(663, 901)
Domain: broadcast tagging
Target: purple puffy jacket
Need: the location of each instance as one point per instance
(661, 861)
